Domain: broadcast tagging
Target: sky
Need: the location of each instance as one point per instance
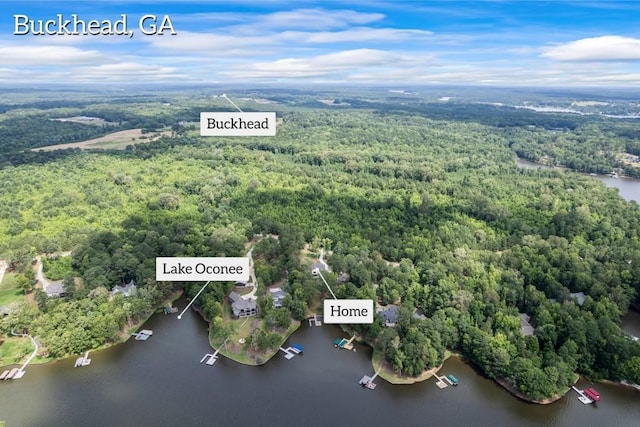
(369, 42)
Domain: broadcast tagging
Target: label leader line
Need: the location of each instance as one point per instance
(209, 269)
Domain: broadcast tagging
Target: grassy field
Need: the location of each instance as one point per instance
(113, 141)
(14, 350)
(8, 290)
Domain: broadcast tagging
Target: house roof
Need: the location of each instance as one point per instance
(526, 328)
(54, 289)
(244, 304)
(577, 297)
(126, 289)
(318, 266)
(277, 293)
(234, 296)
(389, 314)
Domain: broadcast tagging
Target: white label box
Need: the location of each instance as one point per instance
(348, 311)
(190, 269)
(237, 124)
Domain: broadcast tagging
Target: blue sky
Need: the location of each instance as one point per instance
(500, 43)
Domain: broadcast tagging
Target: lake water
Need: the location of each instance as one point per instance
(160, 382)
(628, 188)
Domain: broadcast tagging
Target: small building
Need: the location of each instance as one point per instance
(278, 296)
(389, 316)
(526, 328)
(343, 277)
(242, 307)
(127, 290)
(578, 297)
(55, 289)
(419, 314)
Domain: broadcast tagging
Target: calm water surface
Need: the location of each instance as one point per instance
(628, 188)
(161, 383)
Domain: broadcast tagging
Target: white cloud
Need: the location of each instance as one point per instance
(47, 56)
(346, 61)
(128, 72)
(315, 19)
(361, 34)
(604, 48)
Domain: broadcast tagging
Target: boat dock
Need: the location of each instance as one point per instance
(10, 374)
(344, 343)
(451, 380)
(314, 321)
(442, 381)
(143, 335)
(367, 381)
(17, 373)
(83, 361)
(292, 351)
(582, 397)
(212, 358)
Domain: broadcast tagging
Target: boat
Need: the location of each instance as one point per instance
(454, 380)
(592, 394)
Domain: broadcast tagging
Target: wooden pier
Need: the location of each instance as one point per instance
(314, 321)
(212, 358)
(441, 381)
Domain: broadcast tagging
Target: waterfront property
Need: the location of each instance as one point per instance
(389, 316)
(278, 296)
(242, 307)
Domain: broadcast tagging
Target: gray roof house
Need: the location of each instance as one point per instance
(242, 307)
(126, 290)
(527, 329)
(578, 297)
(389, 316)
(55, 289)
(278, 296)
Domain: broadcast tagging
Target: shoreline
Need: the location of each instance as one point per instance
(387, 373)
(244, 358)
(125, 336)
(517, 393)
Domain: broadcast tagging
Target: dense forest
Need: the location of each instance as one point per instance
(429, 213)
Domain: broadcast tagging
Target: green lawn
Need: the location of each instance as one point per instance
(8, 290)
(14, 350)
